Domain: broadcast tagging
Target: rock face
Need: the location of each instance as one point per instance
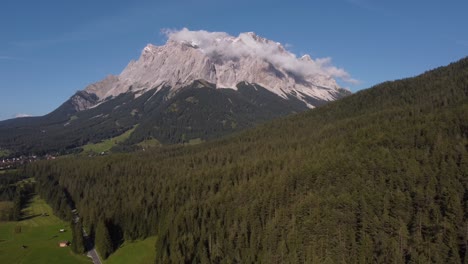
(83, 100)
(224, 61)
(100, 88)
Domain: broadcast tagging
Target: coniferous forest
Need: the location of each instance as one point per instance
(15, 191)
(380, 176)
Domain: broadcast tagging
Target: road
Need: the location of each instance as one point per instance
(94, 256)
(92, 253)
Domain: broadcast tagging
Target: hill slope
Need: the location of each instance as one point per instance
(197, 111)
(380, 176)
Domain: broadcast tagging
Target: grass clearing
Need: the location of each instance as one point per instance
(4, 153)
(25, 181)
(137, 252)
(195, 141)
(149, 143)
(40, 234)
(7, 171)
(107, 144)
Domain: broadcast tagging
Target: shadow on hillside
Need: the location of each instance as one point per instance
(25, 215)
(29, 217)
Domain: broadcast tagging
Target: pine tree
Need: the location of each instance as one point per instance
(78, 243)
(103, 240)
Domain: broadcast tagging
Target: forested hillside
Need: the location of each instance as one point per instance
(15, 192)
(199, 112)
(378, 177)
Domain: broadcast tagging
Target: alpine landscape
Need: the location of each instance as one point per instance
(216, 147)
(198, 86)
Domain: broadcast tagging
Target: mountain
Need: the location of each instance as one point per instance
(224, 62)
(377, 177)
(199, 85)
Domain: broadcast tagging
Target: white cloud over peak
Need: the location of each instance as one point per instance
(221, 44)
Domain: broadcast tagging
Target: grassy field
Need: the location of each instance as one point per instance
(138, 252)
(149, 143)
(4, 153)
(40, 235)
(7, 171)
(106, 145)
(195, 141)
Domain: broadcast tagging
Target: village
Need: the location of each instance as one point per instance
(15, 162)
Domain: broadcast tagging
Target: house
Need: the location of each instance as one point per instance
(64, 243)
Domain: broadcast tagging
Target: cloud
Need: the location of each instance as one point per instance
(222, 44)
(22, 115)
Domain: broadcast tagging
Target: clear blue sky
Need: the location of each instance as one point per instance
(49, 49)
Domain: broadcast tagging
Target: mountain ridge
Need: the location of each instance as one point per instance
(224, 61)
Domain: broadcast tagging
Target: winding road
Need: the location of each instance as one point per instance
(92, 253)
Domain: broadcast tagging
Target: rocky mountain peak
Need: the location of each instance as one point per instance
(225, 61)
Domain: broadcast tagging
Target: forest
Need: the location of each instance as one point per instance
(380, 176)
(14, 194)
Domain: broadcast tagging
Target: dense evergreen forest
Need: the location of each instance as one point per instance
(15, 192)
(378, 177)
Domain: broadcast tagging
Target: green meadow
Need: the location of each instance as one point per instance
(137, 252)
(107, 144)
(4, 153)
(149, 143)
(35, 239)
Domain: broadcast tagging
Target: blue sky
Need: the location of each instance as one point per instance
(50, 49)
